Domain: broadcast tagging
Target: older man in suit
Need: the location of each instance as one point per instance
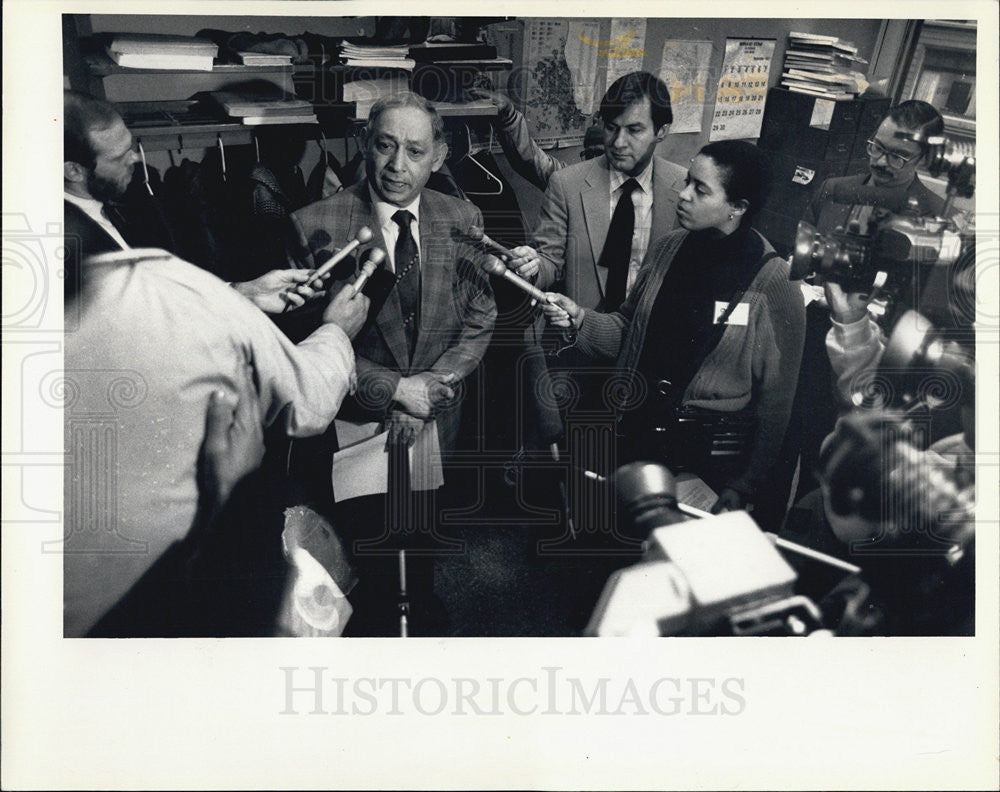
(430, 333)
(437, 321)
(600, 216)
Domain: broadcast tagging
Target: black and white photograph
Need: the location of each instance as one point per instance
(545, 400)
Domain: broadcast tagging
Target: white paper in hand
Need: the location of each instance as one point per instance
(363, 467)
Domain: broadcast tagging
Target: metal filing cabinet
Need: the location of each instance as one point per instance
(806, 146)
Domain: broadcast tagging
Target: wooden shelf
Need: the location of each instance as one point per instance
(490, 64)
(182, 123)
(450, 110)
(103, 66)
(188, 123)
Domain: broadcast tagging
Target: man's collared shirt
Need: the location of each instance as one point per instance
(94, 209)
(642, 201)
(390, 230)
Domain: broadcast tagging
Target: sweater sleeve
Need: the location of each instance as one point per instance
(778, 340)
(602, 335)
(855, 350)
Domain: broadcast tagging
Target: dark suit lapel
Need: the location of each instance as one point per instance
(595, 197)
(390, 319)
(436, 254)
(86, 236)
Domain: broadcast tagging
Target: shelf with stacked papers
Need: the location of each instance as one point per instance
(484, 109)
(100, 65)
(192, 124)
(488, 64)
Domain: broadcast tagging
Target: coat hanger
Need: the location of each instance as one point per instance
(180, 150)
(145, 170)
(328, 158)
(490, 176)
(222, 155)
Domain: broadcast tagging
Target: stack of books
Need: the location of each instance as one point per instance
(381, 56)
(265, 105)
(364, 93)
(823, 66)
(264, 59)
(156, 51)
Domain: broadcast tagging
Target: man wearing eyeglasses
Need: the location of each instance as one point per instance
(895, 152)
(845, 341)
(854, 342)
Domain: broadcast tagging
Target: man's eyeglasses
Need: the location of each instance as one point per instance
(895, 160)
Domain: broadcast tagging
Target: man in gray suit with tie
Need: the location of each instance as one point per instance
(429, 334)
(437, 321)
(600, 216)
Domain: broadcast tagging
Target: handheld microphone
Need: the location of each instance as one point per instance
(477, 235)
(363, 237)
(368, 269)
(495, 267)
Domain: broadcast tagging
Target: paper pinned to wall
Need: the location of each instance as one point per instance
(684, 68)
(581, 58)
(626, 47)
(742, 91)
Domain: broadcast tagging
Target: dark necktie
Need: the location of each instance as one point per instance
(618, 248)
(407, 261)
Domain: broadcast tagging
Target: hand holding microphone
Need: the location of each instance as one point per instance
(349, 309)
(493, 266)
(561, 311)
(363, 236)
(523, 259)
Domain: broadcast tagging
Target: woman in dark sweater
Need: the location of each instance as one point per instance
(668, 336)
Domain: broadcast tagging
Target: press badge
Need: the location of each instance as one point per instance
(740, 315)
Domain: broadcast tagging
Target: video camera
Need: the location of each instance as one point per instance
(721, 575)
(923, 364)
(700, 574)
(876, 256)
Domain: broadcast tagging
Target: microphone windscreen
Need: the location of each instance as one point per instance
(493, 266)
(375, 257)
